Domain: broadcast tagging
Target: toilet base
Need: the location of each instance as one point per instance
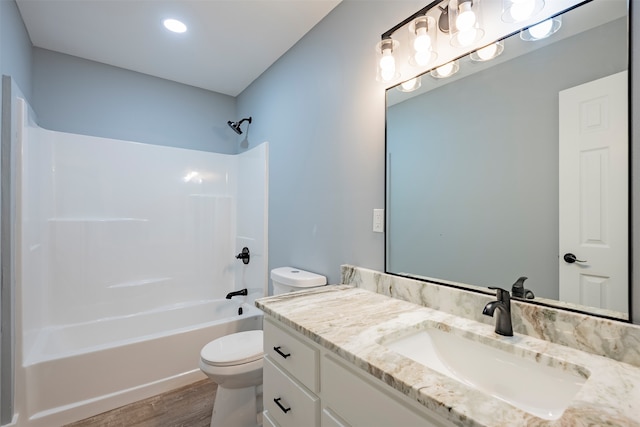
(238, 407)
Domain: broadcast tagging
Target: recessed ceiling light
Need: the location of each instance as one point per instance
(174, 25)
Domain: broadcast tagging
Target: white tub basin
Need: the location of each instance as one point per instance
(538, 389)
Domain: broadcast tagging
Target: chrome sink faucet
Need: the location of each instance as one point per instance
(503, 317)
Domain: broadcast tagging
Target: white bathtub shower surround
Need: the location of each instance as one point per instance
(78, 376)
(127, 227)
(126, 250)
(63, 341)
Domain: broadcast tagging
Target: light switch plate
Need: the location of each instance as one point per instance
(378, 220)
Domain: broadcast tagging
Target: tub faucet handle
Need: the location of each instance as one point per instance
(244, 255)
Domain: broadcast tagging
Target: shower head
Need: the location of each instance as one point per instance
(236, 125)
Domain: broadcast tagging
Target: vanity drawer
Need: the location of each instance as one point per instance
(289, 352)
(288, 403)
(360, 400)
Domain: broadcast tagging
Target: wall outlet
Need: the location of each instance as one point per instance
(378, 220)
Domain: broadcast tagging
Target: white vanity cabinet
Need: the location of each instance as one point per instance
(290, 378)
(306, 385)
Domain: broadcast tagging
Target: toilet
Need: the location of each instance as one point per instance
(234, 361)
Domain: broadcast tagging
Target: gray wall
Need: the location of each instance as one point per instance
(15, 47)
(322, 112)
(469, 203)
(85, 97)
(319, 106)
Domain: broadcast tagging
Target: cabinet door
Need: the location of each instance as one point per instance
(292, 354)
(331, 419)
(267, 421)
(288, 403)
(363, 402)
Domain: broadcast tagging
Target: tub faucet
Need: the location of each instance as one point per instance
(503, 317)
(236, 293)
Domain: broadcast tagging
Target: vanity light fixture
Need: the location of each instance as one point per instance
(386, 60)
(446, 70)
(520, 10)
(465, 18)
(423, 33)
(488, 52)
(174, 25)
(410, 85)
(542, 30)
(422, 41)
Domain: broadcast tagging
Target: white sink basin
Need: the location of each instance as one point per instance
(535, 388)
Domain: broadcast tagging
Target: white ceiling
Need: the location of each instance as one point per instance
(228, 44)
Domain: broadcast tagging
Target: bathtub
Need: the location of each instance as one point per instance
(76, 371)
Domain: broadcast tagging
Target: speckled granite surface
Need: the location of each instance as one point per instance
(353, 322)
(614, 339)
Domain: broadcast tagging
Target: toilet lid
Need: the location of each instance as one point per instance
(233, 349)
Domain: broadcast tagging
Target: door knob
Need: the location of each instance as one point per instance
(571, 258)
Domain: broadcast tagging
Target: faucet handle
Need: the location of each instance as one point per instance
(501, 294)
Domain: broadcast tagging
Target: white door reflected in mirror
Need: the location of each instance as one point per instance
(594, 194)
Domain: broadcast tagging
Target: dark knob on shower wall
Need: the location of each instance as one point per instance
(244, 255)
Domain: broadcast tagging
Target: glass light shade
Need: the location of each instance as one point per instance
(520, 10)
(466, 17)
(423, 38)
(465, 22)
(386, 60)
(446, 70)
(410, 85)
(488, 52)
(542, 30)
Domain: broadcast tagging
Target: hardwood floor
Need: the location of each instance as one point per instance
(188, 406)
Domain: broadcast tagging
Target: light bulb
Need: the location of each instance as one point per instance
(466, 17)
(387, 65)
(541, 30)
(466, 37)
(445, 70)
(410, 85)
(422, 58)
(422, 42)
(487, 52)
(522, 9)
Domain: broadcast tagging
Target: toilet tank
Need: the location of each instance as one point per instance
(291, 279)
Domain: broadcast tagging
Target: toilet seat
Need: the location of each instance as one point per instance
(234, 349)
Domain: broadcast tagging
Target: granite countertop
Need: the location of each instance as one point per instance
(351, 323)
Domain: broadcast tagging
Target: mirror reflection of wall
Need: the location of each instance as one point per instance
(473, 166)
